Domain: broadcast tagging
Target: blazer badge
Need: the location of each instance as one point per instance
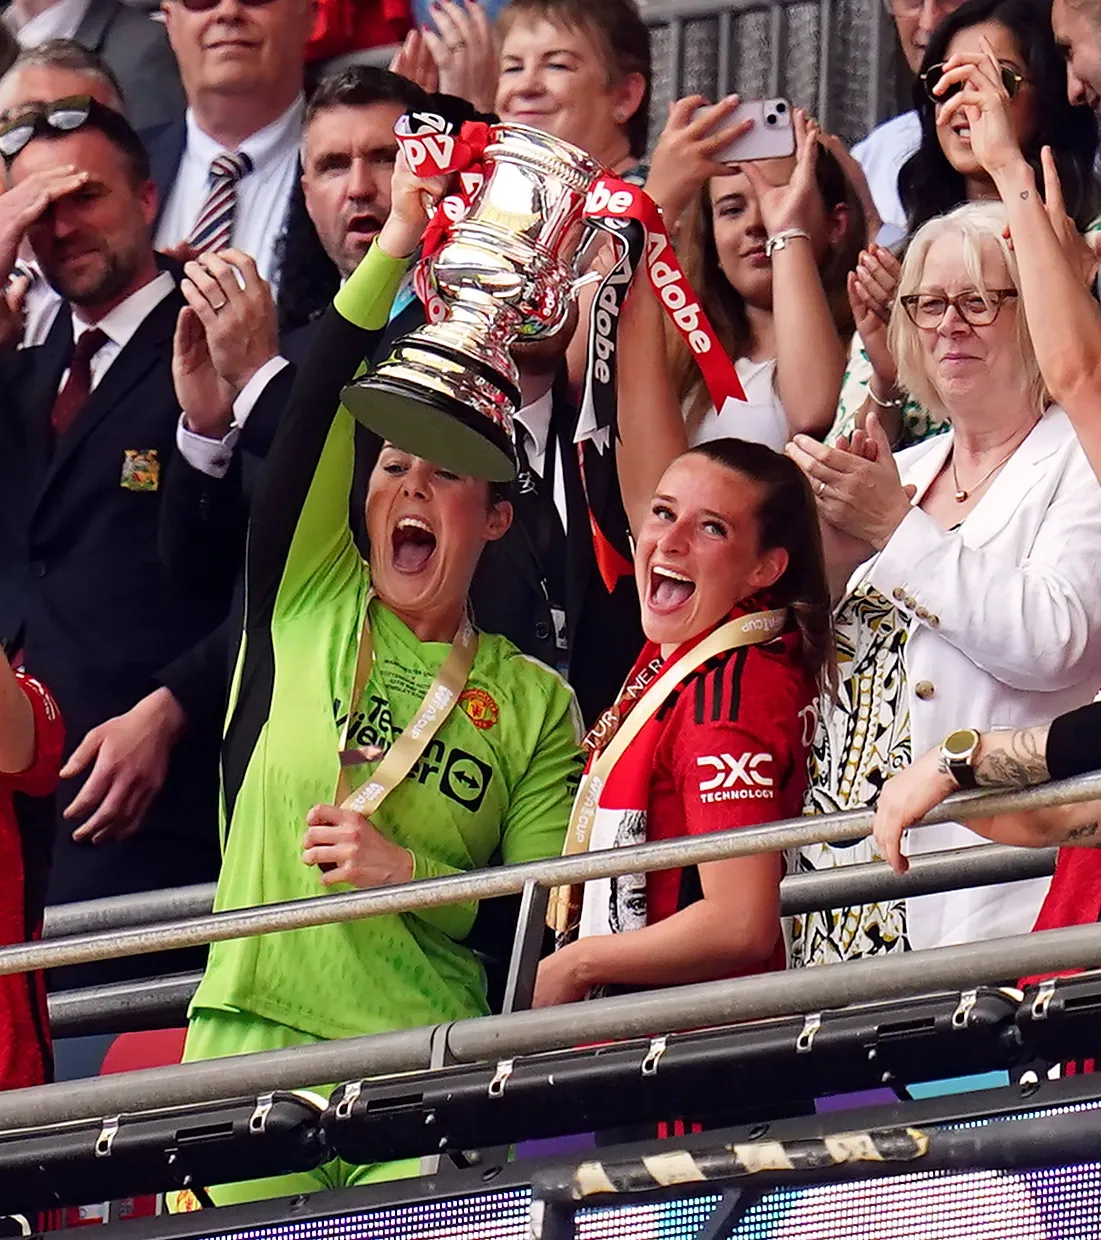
(141, 469)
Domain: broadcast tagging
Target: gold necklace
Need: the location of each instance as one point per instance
(962, 495)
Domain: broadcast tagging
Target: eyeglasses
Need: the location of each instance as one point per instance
(62, 116)
(204, 6)
(976, 309)
(1011, 80)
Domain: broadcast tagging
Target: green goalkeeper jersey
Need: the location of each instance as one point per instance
(495, 783)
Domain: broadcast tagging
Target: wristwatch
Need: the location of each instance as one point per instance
(958, 754)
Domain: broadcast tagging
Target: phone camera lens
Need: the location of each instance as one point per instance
(770, 119)
(781, 107)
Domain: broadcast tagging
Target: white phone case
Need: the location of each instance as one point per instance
(772, 135)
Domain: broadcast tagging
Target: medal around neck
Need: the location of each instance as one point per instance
(505, 270)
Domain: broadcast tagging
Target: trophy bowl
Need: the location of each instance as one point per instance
(506, 272)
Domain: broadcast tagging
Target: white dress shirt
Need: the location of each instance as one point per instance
(535, 419)
(119, 324)
(60, 21)
(262, 195)
(881, 155)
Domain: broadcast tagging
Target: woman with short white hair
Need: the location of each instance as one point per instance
(964, 569)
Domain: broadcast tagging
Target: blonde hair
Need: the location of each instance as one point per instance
(974, 223)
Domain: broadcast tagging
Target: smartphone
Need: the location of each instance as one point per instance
(772, 135)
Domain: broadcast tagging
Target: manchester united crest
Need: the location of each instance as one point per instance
(480, 707)
(141, 470)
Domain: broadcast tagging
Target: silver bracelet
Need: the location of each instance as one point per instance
(781, 239)
(896, 403)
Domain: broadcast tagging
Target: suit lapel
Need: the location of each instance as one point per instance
(45, 365)
(166, 148)
(144, 350)
(1003, 498)
(93, 26)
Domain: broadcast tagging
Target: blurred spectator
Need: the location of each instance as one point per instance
(31, 737)
(226, 174)
(731, 533)
(578, 69)
(1075, 25)
(782, 315)
(348, 150)
(132, 44)
(965, 573)
(90, 427)
(883, 152)
(945, 172)
(55, 70)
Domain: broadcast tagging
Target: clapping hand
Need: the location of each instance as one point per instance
(871, 290)
(348, 848)
(684, 158)
(857, 485)
(458, 57)
(224, 334)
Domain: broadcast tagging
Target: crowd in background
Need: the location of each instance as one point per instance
(233, 601)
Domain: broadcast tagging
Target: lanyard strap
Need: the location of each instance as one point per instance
(437, 704)
(751, 630)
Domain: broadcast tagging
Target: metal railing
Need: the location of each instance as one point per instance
(513, 879)
(523, 1032)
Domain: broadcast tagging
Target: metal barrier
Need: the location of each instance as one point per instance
(496, 1038)
(514, 879)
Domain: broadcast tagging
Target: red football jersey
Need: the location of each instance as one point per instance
(25, 1055)
(733, 754)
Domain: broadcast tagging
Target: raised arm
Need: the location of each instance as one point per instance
(1055, 264)
(810, 355)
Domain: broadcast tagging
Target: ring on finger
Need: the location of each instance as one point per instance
(821, 486)
(220, 306)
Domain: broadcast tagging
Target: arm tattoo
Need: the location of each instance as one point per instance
(1020, 763)
(1088, 836)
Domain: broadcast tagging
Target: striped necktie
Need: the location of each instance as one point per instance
(214, 228)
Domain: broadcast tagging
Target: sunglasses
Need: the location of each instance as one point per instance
(62, 116)
(204, 6)
(930, 79)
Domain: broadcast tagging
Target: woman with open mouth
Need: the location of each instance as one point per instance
(709, 733)
(374, 735)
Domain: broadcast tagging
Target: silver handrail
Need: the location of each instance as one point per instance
(509, 880)
(492, 1038)
(818, 890)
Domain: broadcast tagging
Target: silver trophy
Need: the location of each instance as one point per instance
(507, 272)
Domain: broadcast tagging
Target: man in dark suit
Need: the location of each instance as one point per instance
(133, 46)
(89, 428)
(226, 174)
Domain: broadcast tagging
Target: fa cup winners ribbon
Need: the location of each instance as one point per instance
(435, 144)
(633, 219)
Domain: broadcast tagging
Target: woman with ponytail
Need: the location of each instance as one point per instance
(709, 733)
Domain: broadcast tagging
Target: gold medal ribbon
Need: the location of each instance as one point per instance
(564, 907)
(437, 704)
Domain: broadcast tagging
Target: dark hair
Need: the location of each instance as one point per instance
(308, 278)
(787, 517)
(9, 49)
(725, 306)
(72, 56)
(359, 86)
(619, 32)
(114, 127)
(928, 184)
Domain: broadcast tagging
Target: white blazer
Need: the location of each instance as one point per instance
(1004, 632)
